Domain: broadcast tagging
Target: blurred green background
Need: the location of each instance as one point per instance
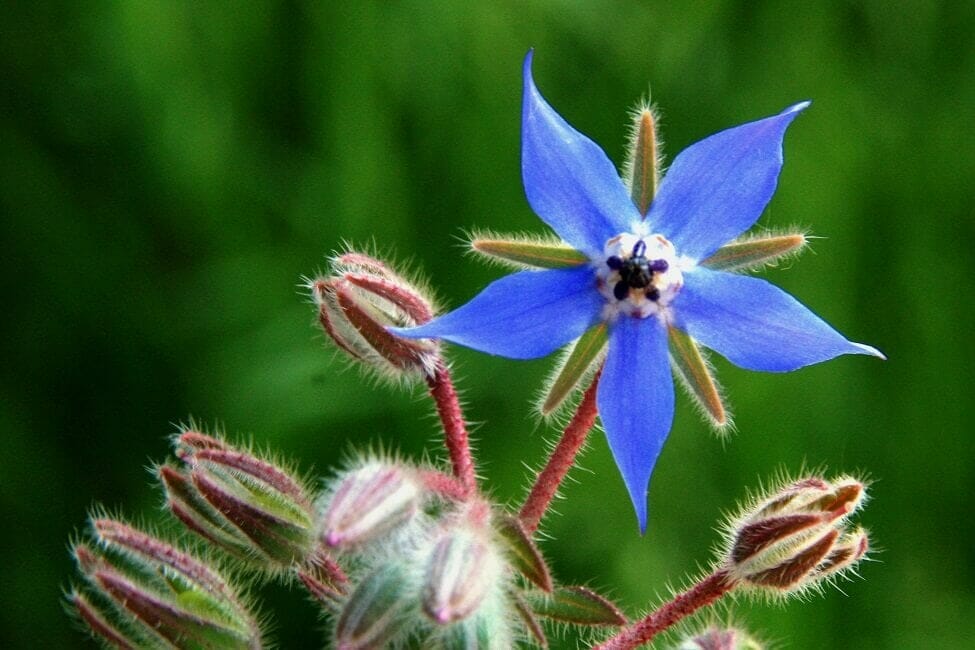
(168, 171)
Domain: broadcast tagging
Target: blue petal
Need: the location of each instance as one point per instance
(522, 316)
(717, 188)
(569, 181)
(636, 402)
(755, 324)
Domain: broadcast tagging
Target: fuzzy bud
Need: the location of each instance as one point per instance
(142, 592)
(461, 571)
(360, 300)
(485, 631)
(715, 638)
(369, 502)
(247, 505)
(797, 535)
(377, 611)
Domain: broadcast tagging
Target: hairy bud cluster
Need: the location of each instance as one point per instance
(141, 592)
(423, 567)
(360, 300)
(717, 638)
(249, 506)
(797, 535)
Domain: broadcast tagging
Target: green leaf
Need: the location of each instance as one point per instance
(583, 357)
(577, 605)
(529, 252)
(532, 625)
(521, 550)
(755, 252)
(643, 166)
(695, 374)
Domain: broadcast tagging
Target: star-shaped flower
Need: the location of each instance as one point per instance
(642, 275)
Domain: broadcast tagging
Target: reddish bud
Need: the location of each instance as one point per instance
(361, 299)
(796, 535)
(245, 504)
(324, 579)
(143, 592)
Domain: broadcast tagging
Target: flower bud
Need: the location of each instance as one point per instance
(245, 504)
(488, 630)
(369, 502)
(797, 535)
(377, 611)
(461, 571)
(142, 592)
(360, 301)
(715, 638)
(324, 579)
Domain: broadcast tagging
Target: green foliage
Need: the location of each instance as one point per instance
(168, 171)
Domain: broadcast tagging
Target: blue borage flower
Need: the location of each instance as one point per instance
(643, 276)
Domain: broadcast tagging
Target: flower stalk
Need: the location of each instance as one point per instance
(561, 461)
(704, 593)
(456, 438)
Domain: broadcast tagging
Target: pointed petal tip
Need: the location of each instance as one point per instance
(527, 66)
(640, 509)
(863, 348)
(796, 108)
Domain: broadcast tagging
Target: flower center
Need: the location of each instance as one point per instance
(641, 274)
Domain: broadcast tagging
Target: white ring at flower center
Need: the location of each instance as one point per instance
(667, 283)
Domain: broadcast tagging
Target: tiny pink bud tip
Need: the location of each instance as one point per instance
(442, 616)
(333, 539)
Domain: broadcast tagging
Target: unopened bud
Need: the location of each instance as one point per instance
(142, 592)
(360, 301)
(369, 502)
(245, 504)
(797, 535)
(377, 611)
(324, 579)
(848, 550)
(720, 639)
(461, 571)
(488, 630)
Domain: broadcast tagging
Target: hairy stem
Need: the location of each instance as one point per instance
(444, 485)
(561, 461)
(700, 595)
(455, 431)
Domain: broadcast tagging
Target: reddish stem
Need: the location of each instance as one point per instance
(455, 431)
(444, 485)
(700, 595)
(561, 460)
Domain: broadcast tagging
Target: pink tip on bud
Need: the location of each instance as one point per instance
(369, 502)
(795, 536)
